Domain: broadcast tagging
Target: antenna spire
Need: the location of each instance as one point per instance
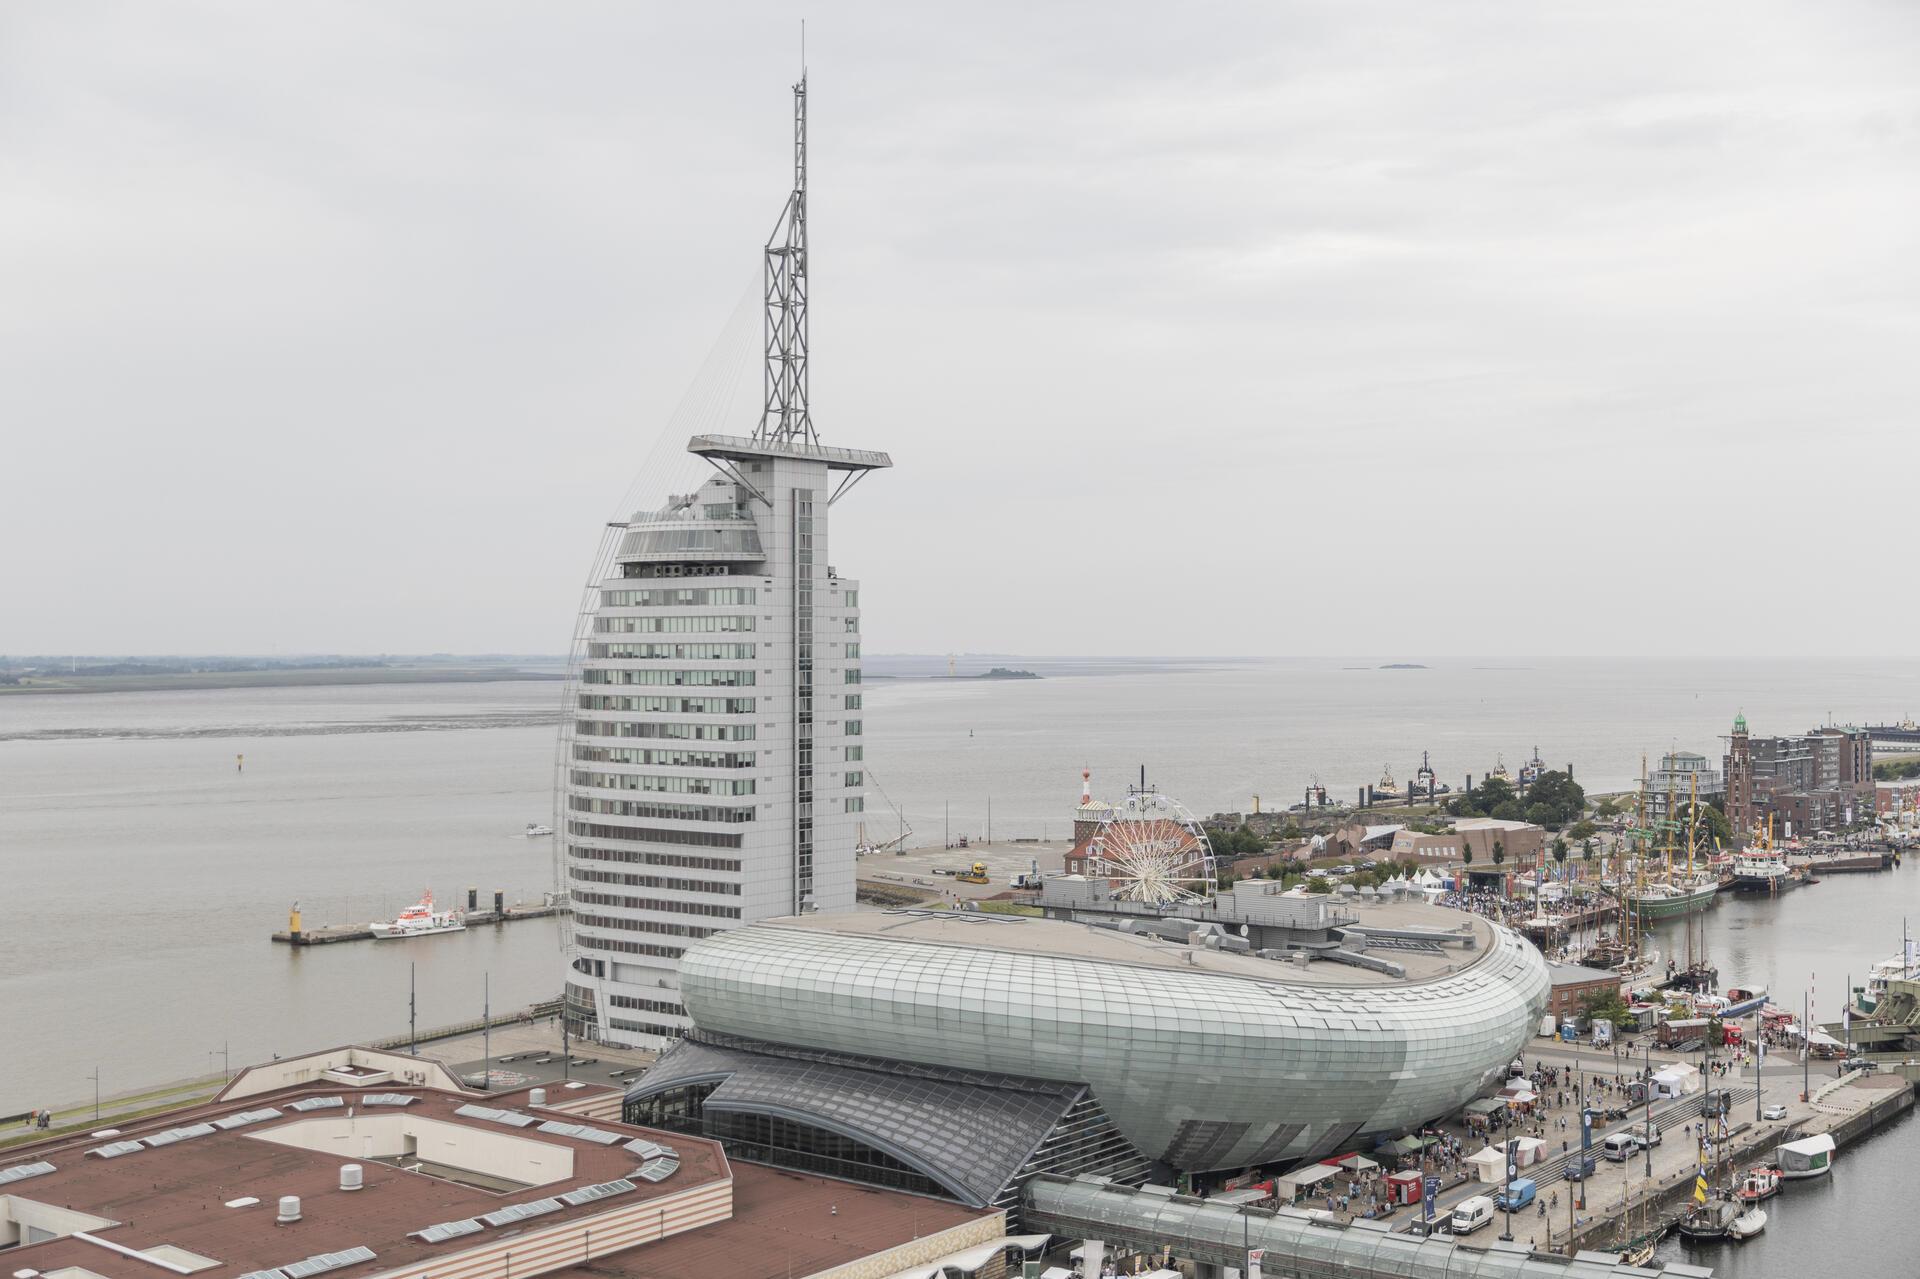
(785, 417)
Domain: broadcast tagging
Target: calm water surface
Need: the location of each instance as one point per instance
(140, 874)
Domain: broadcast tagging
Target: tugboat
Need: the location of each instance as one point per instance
(1424, 782)
(419, 920)
(1500, 770)
(1531, 770)
(1388, 788)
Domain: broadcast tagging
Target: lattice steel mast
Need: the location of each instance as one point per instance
(785, 418)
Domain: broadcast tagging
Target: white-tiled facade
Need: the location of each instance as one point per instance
(712, 773)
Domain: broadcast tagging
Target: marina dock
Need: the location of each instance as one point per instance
(328, 934)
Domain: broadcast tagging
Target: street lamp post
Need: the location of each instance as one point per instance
(95, 1076)
(1646, 1094)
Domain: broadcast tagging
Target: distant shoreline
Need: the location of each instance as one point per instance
(310, 678)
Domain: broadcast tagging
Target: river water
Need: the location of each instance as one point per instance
(141, 873)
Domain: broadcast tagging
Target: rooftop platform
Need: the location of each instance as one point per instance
(1025, 935)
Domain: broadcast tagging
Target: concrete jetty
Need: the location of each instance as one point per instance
(328, 934)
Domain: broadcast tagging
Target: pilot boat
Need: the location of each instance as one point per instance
(419, 920)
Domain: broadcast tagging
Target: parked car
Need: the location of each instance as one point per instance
(1579, 1168)
(1775, 1111)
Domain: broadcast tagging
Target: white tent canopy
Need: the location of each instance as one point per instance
(1358, 1163)
(1489, 1164)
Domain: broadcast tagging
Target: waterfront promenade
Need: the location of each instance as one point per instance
(1620, 1200)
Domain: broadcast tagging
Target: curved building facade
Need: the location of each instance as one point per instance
(1204, 1059)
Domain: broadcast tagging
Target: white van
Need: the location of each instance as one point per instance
(1471, 1214)
(1620, 1147)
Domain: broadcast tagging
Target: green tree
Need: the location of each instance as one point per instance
(1560, 851)
(1319, 884)
(1605, 1005)
(1710, 821)
(1556, 798)
(1586, 849)
(1509, 811)
(1466, 852)
(1584, 830)
(1493, 792)
(1499, 852)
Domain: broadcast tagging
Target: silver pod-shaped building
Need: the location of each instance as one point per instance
(1203, 1058)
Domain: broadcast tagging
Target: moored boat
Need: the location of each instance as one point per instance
(1664, 899)
(1807, 1157)
(537, 828)
(1748, 1224)
(1760, 873)
(1710, 1221)
(419, 920)
(1761, 1182)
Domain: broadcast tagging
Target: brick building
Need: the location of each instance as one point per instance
(1573, 985)
(1814, 781)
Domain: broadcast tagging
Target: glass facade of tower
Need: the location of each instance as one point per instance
(704, 780)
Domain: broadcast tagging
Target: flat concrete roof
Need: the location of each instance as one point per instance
(786, 1223)
(175, 1194)
(1026, 935)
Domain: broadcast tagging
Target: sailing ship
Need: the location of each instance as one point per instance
(1669, 890)
(419, 920)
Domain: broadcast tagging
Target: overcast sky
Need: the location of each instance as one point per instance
(1253, 329)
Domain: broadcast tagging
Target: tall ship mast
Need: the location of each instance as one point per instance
(1670, 892)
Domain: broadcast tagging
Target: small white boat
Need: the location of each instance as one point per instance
(419, 920)
(1748, 1224)
(535, 828)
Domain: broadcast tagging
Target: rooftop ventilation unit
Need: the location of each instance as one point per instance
(246, 1117)
(20, 1172)
(605, 1190)
(320, 1263)
(388, 1099)
(114, 1149)
(447, 1230)
(650, 1150)
(289, 1210)
(511, 1118)
(599, 1136)
(172, 1135)
(520, 1212)
(658, 1169)
(316, 1103)
(351, 1177)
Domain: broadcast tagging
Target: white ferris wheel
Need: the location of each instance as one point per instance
(1151, 849)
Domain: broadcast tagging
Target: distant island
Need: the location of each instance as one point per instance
(998, 672)
(129, 675)
(1403, 666)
